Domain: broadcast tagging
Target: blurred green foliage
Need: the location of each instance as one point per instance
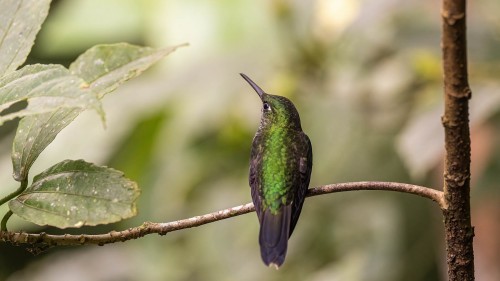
(363, 74)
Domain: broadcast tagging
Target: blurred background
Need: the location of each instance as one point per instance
(366, 78)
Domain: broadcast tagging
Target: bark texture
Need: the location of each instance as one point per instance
(458, 230)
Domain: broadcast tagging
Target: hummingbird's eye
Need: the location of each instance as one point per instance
(266, 106)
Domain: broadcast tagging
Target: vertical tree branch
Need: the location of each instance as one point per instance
(458, 230)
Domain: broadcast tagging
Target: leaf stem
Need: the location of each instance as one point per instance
(5, 219)
(24, 184)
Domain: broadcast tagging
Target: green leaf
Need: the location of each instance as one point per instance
(34, 134)
(55, 98)
(47, 88)
(77, 193)
(20, 21)
(104, 67)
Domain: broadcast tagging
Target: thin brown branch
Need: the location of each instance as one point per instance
(434, 195)
(42, 240)
(457, 221)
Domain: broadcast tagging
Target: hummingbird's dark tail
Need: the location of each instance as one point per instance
(273, 236)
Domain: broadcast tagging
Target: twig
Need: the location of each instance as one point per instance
(434, 195)
(43, 240)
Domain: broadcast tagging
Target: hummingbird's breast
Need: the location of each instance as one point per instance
(280, 166)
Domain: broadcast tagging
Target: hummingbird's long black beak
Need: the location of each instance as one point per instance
(259, 91)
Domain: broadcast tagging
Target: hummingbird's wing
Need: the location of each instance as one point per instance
(254, 179)
(305, 168)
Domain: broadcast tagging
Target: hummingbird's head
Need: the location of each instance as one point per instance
(276, 110)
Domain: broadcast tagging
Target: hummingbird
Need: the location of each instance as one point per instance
(280, 170)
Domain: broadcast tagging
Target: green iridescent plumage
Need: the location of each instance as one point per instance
(280, 169)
